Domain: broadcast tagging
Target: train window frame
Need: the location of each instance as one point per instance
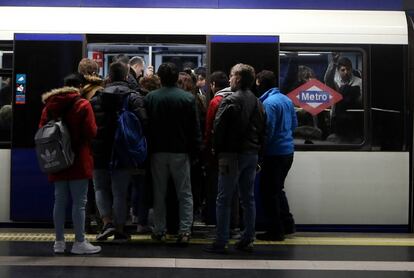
(365, 144)
(7, 46)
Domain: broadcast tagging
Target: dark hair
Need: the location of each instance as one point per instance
(73, 80)
(185, 82)
(201, 71)
(344, 62)
(246, 73)
(267, 79)
(118, 71)
(220, 79)
(120, 58)
(305, 73)
(168, 74)
(150, 83)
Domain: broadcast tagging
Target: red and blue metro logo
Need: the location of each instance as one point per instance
(314, 96)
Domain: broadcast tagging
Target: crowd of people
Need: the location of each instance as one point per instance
(193, 146)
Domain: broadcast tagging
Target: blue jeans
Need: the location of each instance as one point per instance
(236, 170)
(176, 165)
(111, 190)
(78, 189)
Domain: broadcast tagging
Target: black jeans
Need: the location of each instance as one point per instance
(275, 203)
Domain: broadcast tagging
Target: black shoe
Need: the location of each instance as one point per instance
(121, 237)
(216, 248)
(183, 239)
(107, 231)
(244, 245)
(159, 237)
(290, 230)
(267, 236)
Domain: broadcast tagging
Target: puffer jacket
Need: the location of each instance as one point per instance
(240, 123)
(106, 105)
(78, 115)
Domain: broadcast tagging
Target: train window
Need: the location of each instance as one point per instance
(6, 60)
(326, 88)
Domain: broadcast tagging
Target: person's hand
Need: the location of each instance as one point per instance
(335, 56)
(150, 71)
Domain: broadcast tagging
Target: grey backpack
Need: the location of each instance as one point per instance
(53, 147)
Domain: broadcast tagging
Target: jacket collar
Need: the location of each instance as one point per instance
(59, 91)
(268, 93)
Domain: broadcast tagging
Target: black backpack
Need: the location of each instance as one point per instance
(53, 145)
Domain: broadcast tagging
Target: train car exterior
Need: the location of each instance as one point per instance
(360, 182)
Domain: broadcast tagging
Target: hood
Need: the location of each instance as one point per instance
(224, 92)
(269, 93)
(113, 95)
(57, 100)
(93, 80)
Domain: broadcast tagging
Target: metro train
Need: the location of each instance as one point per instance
(361, 180)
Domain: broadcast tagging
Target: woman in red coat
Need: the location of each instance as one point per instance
(78, 115)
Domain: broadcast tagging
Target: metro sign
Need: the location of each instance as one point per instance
(314, 96)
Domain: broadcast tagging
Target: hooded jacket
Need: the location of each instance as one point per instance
(93, 84)
(106, 106)
(281, 123)
(211, 114)
(78, 115)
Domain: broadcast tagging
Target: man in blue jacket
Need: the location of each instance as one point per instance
(278, 157)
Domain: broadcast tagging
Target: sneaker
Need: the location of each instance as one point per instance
(244, 245)
(121, 237)
(84, 247)
(217, 248)
(144, 229)
(59, 247)
(107, 231)
(267, 236)
(183, 239)
(159, 237)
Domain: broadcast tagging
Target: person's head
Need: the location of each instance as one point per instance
(118, 71)
(305, 74)
(150, 83)
(137, 63)
(218, 81)
(242, 77)
(168, 73)
(345, 68)
(88, 67)
(265, 80)
(73, 80)
(201, 74)
(185, 82)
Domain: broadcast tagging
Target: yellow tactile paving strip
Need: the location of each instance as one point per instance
(297, 240)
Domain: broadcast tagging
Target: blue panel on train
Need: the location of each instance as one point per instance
(31, 195)
(244, 39)
(151, 4)
(223, 4)
(313, 4)
(48, 37)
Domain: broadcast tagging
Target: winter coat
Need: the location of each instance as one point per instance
(106, 105)
(211, 114)
(239, 125)
(93, 84)
(173, 121)
(80, 120)
(281, 123)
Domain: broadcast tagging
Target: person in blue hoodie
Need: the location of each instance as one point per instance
(278, 157)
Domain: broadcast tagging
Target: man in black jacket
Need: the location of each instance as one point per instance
(111, 180)
(239, 129)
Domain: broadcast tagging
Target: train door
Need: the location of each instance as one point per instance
(41, 61)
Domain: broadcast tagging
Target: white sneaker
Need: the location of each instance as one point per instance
(59, 247)
(85, 247)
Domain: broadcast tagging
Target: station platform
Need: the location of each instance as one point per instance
(28, 253)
